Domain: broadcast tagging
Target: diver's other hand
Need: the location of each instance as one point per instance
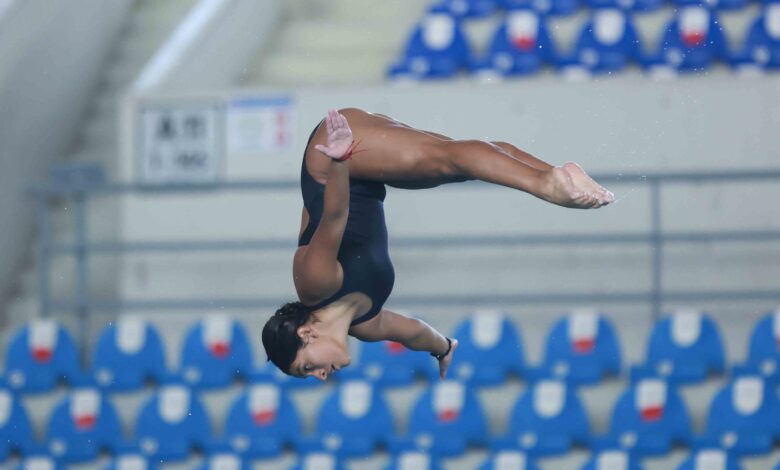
(339, 136)
(444, 363)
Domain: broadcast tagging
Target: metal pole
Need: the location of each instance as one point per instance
(656, 246)
(44, 244)
(82, 266)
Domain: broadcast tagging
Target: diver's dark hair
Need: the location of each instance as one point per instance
(280, 334)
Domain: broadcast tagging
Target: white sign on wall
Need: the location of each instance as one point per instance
(260, 125)
(180, 143)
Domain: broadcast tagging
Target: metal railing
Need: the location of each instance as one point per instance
(656, 238)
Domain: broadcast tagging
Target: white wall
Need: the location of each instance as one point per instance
(623, 125)
(50, 53)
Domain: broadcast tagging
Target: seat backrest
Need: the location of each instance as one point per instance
(16, 432)
(745, 406)
(550, 407)
(40, 354)
(215, 350)
(651, 407)
(262, 411)
(449, 408)
(356, 408)
(127, 353)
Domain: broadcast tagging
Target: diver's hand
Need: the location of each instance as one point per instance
(444, 363)
(339, 136)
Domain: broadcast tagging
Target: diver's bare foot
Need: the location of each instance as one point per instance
(570, 186)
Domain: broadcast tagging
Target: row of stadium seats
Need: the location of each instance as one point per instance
(705, 459)
(522, 45)
(355, 419)
(581, 348)
(467, 9)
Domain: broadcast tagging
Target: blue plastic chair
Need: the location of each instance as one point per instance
(761, 48)
(744, 418)
(692, 41)
(490, 349)
(16, 433)
(353, 420)
(470, 8)
(582, 348)
(513, 459)
(216, 351)
(127, 354)
(39, 355)
(438, 48)
(764, 349)
(607, 43)
(649, 418)
(445, 420)
(547, 419)
(171, 423)
(387, 364)
(684, 348)
(83, 424)
(262, 421)
(710, 459)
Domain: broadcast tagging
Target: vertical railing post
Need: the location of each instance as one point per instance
(656, 245)
(82, 265)
(44, 253)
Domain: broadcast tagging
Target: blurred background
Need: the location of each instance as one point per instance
(151, 151)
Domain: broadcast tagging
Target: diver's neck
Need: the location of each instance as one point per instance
(336, 317)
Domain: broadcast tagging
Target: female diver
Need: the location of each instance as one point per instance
(342, 270)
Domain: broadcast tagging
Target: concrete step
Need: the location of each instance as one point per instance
(401, 13)
(302, 69)
(327, 37)
(20, 310)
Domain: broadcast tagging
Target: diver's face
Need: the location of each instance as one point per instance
(319, 356)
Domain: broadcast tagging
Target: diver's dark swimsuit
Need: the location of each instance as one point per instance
(363, 252)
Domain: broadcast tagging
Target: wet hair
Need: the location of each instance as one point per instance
(280, 334)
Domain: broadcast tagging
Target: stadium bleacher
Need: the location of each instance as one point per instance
(692, 40)
(354, 420)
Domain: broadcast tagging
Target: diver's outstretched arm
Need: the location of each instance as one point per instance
(413, 333)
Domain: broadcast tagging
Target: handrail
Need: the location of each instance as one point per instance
(655, 238)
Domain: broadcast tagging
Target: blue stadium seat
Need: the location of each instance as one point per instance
(215, 351)
(509, 459)
(762, 43)
(387, 364)
(225, 461)
(130, 461)
(692, 41)
(128, 353)
(581, 348)
(172, 422)
(764, 349)
(489, 350)
(744, 417)
(39, 355)
(470, 8)
(710, 459)
(612, 460)
(261, 421)
(318, 461)
(39, 462)
(546, 420)
(446, 419)
(16, 433)
(683, 348)
(437, 48)
(545, 7)
(414, 460)
(712, 4)
(521, 45)
(607, 43)
(649, 418)
(83, 424)
(353, 420)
